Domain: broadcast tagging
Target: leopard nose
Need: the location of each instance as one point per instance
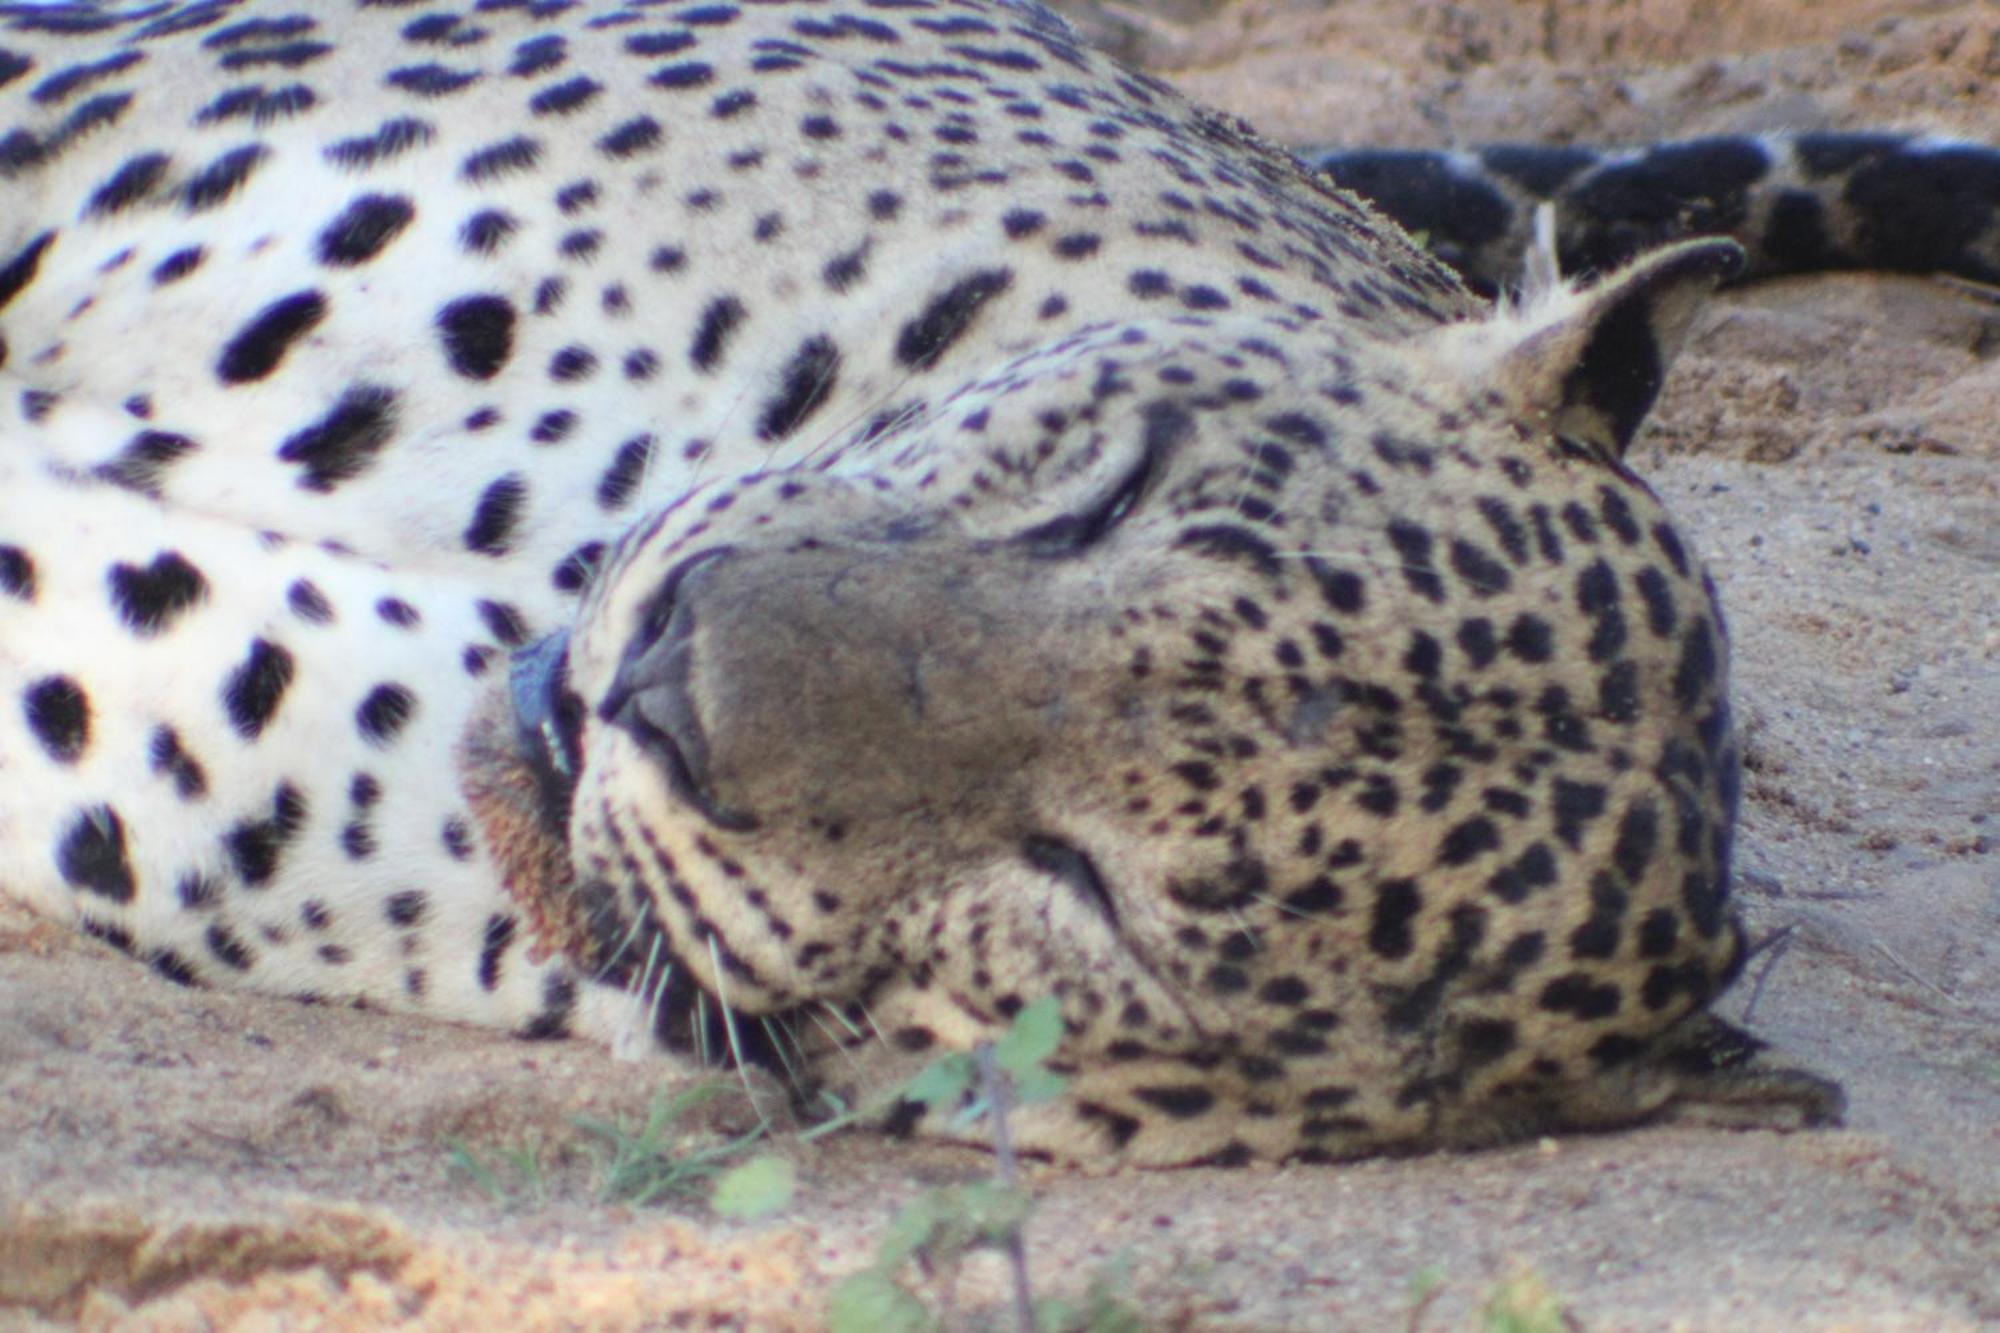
(649, 698)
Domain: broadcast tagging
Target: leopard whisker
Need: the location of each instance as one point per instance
(729, 1029)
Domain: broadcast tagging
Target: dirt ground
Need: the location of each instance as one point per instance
(196, 1160)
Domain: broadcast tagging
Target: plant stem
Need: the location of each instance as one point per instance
(995, 1087)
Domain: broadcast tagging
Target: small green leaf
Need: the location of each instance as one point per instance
(871, 1302)
(1038, 1085)
(913, 1228)
(991, 1211)
(942, 1080)
(1033, 1037)
(757, 1188)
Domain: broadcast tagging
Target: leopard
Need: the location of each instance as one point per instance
(785, 533)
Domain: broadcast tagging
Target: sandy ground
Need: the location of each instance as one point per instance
(192, 1160)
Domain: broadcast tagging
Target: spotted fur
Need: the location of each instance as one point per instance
(799, 528)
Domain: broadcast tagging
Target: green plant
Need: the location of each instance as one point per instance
(936, 1232)
(523, 1162)
(1525, 1303)
(643, 1165)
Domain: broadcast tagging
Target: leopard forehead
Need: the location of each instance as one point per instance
(955, 461)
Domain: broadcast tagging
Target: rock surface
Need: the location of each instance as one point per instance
(178, 1159)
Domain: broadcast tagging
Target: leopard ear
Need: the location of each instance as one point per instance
(1591, 361)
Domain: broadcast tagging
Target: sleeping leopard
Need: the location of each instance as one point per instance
(787, 532)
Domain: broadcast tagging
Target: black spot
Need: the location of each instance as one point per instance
(145, 457)
(1576, 993)
(357, 840)
(1022, 222)
(430, 80)
(197, 891)
(254, 690)
(634, 136)
(391, 139)
(1481, 1041)
(256, 351)
(1413, 544)
(558, 1002)
(1397, 903)
(1476, 640)
(1530, 638)
(219, 179)
(503, 622)
(1658, 933)
(395, 611)
(290, 55)
(519, 153)
(615, 488)
(487, 231)
(1468, 840)
(538, 55)
(1344, 590)
(384, 712)
(168, 758)
(847, 268)
(571, 364)
(308, 603)
(255, 845)
(1535, 869)
(1702, 896)
(687, 74)
(457, 839)
(1597, 936)
(1658, 597)
(344, 442)
(364, 229)
(178, 265)
(1576, 804)
(21, 269)
(130, 183)
(565, 97)
(478, 334)
(804, 384)
(1424, 657)
(59, 715)
(65, 83)
(731, 104)
(553, 427)
(91, 855)
(406, 907)
(227, 949)
(17, 573)
(1481, 572)
(927, 337)
(1617, 515)
(174, 968)
(718, 320)
(499, 934)
(1618, 692)
(1183, 1101)
(149, 599)
(1287, 990)
(496, 515)
(1319, 897)
(1695, 673)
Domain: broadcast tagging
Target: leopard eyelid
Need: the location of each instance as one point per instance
(1069, 534)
